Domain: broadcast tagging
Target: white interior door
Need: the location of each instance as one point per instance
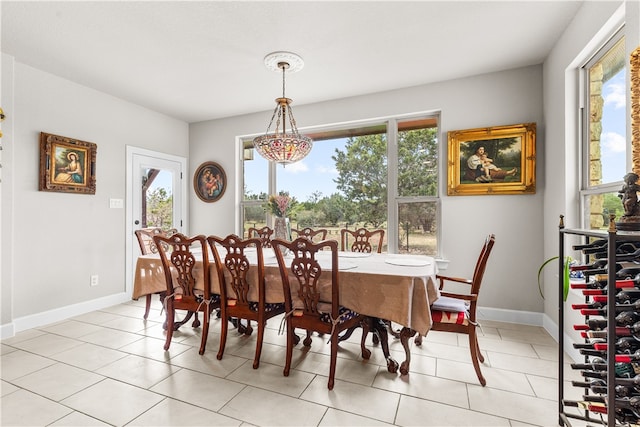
(156, 197)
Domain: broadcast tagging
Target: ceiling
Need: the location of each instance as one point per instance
(198, 61)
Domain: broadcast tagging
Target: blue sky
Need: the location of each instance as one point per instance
(613, 138)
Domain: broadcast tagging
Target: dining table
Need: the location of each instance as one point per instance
(388, 288)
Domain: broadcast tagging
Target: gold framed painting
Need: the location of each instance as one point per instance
(492, 160)
(67, 165)
(209, 182)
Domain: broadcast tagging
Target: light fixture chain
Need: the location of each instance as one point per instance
(272, 117)
(292, 122)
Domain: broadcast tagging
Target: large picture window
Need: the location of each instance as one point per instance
(381, 175)
(606, 153)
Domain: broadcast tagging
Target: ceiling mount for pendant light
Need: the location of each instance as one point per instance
(282, 145)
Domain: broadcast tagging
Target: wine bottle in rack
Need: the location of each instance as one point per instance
(598, 243)
(624, 345)
(623, 318)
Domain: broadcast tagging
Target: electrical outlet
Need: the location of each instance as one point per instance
(94, 280)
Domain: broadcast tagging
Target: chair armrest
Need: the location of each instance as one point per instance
(467, 297)
(452, 279)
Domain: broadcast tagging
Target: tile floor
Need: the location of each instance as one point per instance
(108, 367)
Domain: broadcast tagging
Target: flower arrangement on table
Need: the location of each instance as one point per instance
(279, 205)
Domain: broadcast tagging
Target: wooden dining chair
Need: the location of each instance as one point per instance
(181, 273)
(148, 246)
(312, 296)
(242, 287)
(264, 234)
(311, 234)
(361, 240)
(456, 312)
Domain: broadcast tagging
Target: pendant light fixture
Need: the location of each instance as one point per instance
(283, 146)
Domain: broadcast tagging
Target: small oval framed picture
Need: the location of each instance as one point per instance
(209, 182)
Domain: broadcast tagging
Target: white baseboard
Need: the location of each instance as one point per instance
(510, 316)
(47, 317)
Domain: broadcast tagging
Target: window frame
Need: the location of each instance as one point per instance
(586, 189)
(393, 199)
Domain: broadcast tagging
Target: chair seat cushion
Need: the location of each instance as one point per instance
(450, 304)
(344, 314)
(456, 317)
(450, 310)
(268, 307)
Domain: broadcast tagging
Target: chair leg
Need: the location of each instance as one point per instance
(205, 329)
(476, 355)
(147, 306)
(290, 341)
(170, 319)
(224, 327)
(256, 359)
(307, 341)
(334, 357)
(196, 321)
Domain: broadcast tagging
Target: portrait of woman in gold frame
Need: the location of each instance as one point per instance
(492, 160)
(67, 165)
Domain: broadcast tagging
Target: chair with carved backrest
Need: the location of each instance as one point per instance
(456, 312)
(312, 295)
(148, 246)
(314, 235)
(361, 240)
(181, 272)
(264, 234)
(242, 286)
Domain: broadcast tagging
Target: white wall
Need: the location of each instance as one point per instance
(53, 242)
(594, 21)
(504, 98)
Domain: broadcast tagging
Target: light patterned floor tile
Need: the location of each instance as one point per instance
(527, 365)
(7, 388)
(72, 329)
(124, 376)
(259, 407)
(111, 338)
(171, 412)
(335, 418)
(96, 317)
(419, 412)
(47, 344)
(77, 419)
(138, 371)
(153, 348)
(18, 363)
(425, 386)
(355, 398)
(58, 381)
(23, 336)
(113, 402)
(356, 371)
(270, 377)
(6, 349)
(208, 363)
(514, 406)
(496, 378)
(89, 356)
(23, 408)
(206, 391)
